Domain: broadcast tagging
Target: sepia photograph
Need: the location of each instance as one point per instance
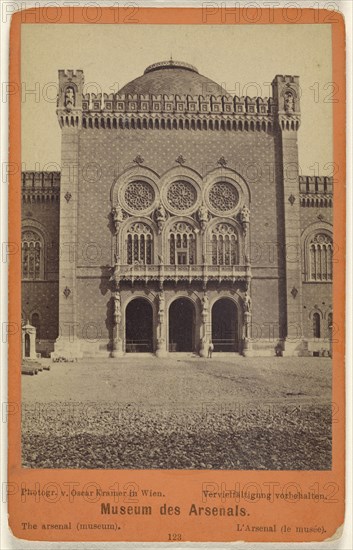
(177, 247)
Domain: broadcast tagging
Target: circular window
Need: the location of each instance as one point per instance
(181, 195)
(223, 196)
(139, 195)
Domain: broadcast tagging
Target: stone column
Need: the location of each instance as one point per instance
(247, 333)
(161, 350)
(247, 343)
(118, 343)
(117, 350)
(204, 332)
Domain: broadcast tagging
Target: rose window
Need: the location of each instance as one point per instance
(223, 196)
(181, 195)
(139, 195)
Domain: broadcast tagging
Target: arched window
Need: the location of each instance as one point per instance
(320, 257)
(225, 249)
(139, 244)
(35, 322)
(182, 244)
(316, 325)
(32, 255)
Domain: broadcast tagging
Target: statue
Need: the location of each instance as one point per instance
(245, 214)
(245, 218)
(289, 102)
(161, 303)
(160, 216)
(69, 100)
(203, 216)
(117, 215)
(205, 305)
(247, 303)
(117, 308)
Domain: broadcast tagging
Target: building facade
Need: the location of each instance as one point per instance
(179, 218)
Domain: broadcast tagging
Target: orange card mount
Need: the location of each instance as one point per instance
(176, 356)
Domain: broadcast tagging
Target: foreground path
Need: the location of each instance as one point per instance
(185, 381)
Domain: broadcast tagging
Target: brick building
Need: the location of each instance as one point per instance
(179, 218)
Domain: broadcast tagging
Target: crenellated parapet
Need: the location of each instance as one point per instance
(132, 111)
(178, 111)
(316, 184)
(161, 103)
(40, 186)
(316, 191)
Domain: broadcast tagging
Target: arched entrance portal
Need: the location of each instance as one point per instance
(225, 326)
(181, 325)
(139, 326)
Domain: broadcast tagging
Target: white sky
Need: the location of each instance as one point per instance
(244, 59)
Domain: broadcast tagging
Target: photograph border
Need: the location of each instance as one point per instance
(201, 530)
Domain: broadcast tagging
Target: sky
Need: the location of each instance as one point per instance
(244, 59)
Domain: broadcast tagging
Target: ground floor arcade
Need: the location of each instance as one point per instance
(180, 326)
(167, 321)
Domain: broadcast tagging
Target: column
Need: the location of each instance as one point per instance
(247, 342)
(117, 350)
(161, 350)
(205, 335)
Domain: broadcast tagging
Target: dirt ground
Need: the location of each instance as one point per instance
(183, 413)
(182, 381)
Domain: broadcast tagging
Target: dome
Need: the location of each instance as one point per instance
(173, 77)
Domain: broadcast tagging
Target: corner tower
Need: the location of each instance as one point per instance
(69, 113)
(286, 96)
